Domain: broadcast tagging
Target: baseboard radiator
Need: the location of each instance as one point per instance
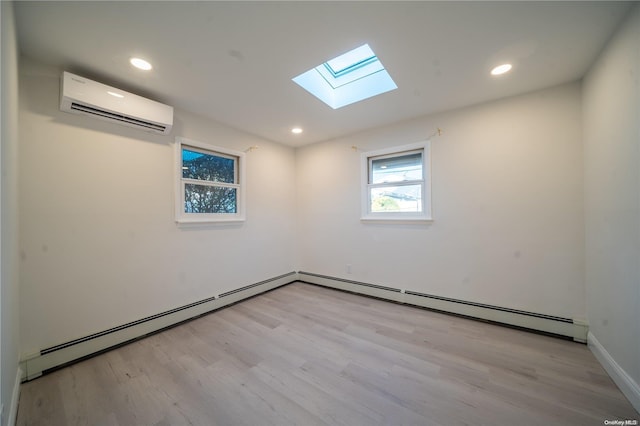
(547, 324)
(66, 353)
(49, 359)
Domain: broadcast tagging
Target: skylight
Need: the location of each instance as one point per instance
(348, 78)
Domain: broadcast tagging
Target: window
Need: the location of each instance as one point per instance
(210, 183)
(396, 183)
(348, 78)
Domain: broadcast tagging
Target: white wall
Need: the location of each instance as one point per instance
(99, 245)
(9, 290)
(507, 204)
(611, 94)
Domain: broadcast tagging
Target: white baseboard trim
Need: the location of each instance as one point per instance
(627, 385)
(15, 399)
(565, 327)
(50, 358)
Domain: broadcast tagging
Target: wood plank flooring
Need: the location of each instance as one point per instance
(307, 355)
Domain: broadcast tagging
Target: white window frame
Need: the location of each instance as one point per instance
(239, 184)
(366, 159)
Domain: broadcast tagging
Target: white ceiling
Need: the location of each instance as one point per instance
(234, 61)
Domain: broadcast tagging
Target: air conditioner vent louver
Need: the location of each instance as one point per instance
(118, 117)
(83, 96)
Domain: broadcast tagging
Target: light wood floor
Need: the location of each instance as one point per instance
(308, 355)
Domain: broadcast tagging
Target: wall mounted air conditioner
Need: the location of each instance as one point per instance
(80, 95)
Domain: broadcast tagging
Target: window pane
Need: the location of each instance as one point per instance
(213, 168)
(209, 199)
(351, 59)
(404, 198)
(398, 168)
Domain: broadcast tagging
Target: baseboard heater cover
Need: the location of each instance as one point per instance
(548, 324)
(54, 357)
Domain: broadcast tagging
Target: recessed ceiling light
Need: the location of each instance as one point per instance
(296, 130)
(501, 69)
(140, 63)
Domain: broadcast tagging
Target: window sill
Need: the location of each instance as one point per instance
(209, 221)
(398, 220)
